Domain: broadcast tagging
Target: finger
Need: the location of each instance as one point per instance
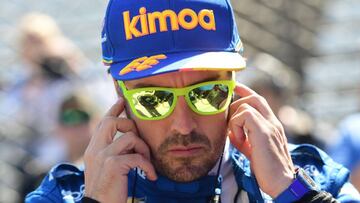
(116, 124)
(241, 142)
(246, 117)
(105, 133)
(117, 108)
(124, 163)
(129, 142)
(243, 90)
(256, 101)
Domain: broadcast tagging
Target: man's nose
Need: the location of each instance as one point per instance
(183, 121)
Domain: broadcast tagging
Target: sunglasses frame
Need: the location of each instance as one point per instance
(177, 92)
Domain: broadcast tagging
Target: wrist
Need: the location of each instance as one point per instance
(281, 185)
(301, 185)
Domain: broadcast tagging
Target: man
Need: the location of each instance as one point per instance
(172, 63)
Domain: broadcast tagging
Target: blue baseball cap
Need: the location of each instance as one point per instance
(143, 38)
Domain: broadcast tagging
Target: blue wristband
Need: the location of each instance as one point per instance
(301, 185)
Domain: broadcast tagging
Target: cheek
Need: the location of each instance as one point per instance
(214, 126)
(152, 132)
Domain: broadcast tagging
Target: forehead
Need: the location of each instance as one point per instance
(178, 79)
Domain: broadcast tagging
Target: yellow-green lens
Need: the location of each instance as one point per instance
(154, 103)
(209, 98)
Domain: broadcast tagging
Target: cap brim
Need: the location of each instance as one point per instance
(189, 61)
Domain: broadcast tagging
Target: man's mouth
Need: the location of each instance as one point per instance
(182, 151)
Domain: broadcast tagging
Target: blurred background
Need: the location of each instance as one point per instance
(303, 56)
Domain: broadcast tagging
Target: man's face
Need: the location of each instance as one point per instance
(185, 145)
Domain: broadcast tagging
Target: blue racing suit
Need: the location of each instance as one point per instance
(65, 183)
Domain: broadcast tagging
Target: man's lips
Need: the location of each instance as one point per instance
(186, 151)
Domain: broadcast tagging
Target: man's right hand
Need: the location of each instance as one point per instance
(108, 161)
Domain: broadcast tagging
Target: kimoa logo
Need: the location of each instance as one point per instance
(187, 19)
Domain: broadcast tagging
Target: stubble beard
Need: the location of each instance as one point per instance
(187, 169)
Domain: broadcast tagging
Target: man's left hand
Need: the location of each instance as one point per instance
(258, 134)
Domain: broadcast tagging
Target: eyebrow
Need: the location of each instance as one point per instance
(212, 78)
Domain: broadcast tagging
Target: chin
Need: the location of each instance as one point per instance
(185, 169)
(188, 174)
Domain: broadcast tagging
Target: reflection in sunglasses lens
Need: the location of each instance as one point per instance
(153, 104)
(209, 98)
